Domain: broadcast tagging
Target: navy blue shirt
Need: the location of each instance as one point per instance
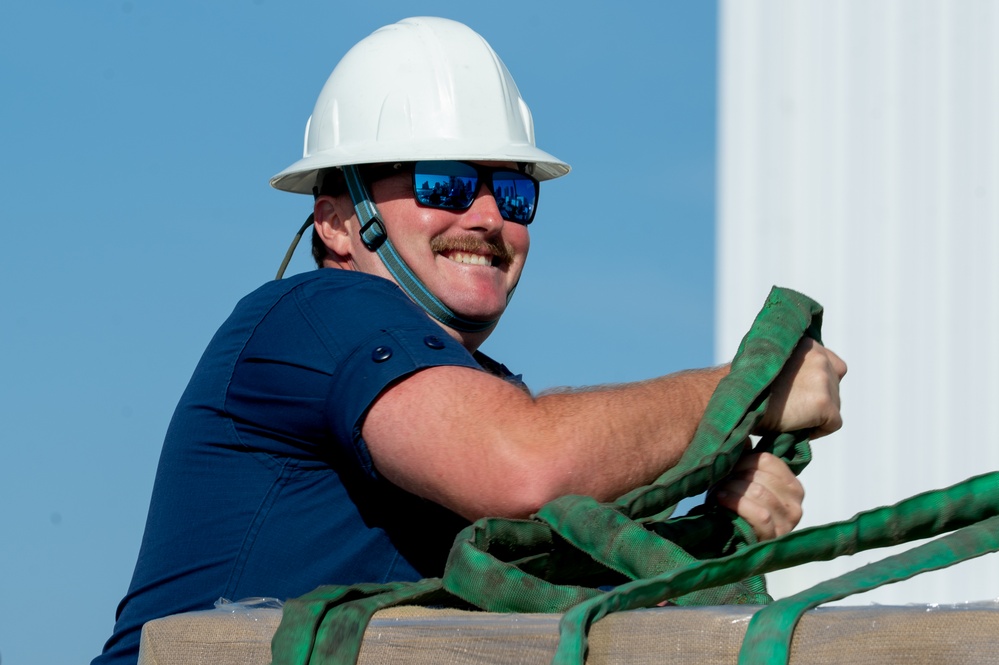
(265, 486)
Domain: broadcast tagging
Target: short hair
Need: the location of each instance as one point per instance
(331, 182)
(319, 250)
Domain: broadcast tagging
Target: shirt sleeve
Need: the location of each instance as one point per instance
(322, 355)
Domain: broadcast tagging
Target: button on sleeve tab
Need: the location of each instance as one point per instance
(381, 354)
(433, 342)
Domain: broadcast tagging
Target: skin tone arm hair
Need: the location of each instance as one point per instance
(484, 447)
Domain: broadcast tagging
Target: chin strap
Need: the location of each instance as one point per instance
(376, 239)
(294, 244)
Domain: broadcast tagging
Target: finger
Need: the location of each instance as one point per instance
(837, 363)
(738, 496)
(812, 399)
(774, 474)
(765, 492)
(831, 366)
(771, 471)
(766, 514)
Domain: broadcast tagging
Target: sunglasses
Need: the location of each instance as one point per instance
(451, 185)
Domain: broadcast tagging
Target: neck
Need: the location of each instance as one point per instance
(470, 340)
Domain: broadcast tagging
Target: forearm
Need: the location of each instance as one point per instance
(624, 435)
(482, 447)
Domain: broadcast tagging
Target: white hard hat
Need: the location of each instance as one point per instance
(420, 89)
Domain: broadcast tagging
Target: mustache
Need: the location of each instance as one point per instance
(501, 251)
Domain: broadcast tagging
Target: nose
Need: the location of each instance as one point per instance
(483, 214)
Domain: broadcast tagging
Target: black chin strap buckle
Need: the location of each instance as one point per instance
(373, 239)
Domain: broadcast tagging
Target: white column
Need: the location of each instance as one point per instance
(859, 164)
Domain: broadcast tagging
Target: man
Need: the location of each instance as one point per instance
(342, 426)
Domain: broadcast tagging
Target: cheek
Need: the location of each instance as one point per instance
(520, 240)
(405, 219)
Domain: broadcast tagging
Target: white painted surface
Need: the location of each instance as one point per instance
(859, 163)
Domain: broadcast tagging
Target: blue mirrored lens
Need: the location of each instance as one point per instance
(516, 195)
(448, 185)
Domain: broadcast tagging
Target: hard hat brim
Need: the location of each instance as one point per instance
(300, 177)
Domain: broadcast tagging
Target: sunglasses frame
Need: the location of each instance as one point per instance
(482, 174)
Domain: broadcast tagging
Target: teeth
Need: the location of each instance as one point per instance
(471, 259)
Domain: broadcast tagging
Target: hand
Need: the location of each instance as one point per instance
(805, 395)
(763, 491)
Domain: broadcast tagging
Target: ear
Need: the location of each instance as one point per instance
(332, 223)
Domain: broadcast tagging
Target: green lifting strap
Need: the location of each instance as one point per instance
(768, 638)
(922, 516)
(560, 560)
(563, 555)
(327, 625)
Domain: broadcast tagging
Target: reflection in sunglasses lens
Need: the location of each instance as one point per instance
(515, 196)
(445, 191)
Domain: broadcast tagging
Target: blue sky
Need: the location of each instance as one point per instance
(136, 141)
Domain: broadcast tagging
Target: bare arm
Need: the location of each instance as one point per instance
(481, 446)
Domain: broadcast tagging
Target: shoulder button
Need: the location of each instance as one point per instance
(433, 341)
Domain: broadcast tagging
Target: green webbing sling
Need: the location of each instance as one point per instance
(921, 516)
(575, 545)
(768, 638)
(559, 560)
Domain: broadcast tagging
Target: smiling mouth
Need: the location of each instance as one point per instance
(473, 251)
(471, 259)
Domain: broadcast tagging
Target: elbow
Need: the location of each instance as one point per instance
(516, 494)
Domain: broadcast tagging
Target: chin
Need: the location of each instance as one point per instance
(481, 315)
(476, 312)
(476, 304)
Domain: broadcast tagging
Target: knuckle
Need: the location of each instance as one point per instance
(823, 402)
(796, 513)
(767, 459)
(796, 487)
